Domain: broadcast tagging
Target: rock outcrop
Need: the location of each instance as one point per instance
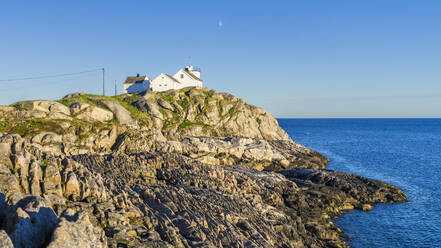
(74, 229)
(169, 200)
(188, 168)
(216, 128)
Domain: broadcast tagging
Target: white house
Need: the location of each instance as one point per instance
(136, 84)
(187, 77)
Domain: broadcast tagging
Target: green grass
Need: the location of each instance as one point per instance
(44, 163)
(220, 108)
(185, 90)
(83, 136)
(187, 123)
(164, 114)
(167, 125)
(18, 105)
(184, 103)
(31, 127)
(65, 102)
(83, 99)
(232, 111)
(83, 129)
(128, 98)
(258, 121)
(166, 97)
(113, 122)
(94, 100)
(134, 111)
(3, 126)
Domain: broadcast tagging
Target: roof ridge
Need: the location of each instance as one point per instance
(192, 75)
(134, 79)
(174, 79)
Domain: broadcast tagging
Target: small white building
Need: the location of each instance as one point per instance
(136, 84)
(187, 77)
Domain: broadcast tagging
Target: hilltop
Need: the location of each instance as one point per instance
(217, 128)
(181, 168)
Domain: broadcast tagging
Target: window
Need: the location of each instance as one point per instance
(182, 75)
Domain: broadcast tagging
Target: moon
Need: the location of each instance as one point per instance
(220, 24)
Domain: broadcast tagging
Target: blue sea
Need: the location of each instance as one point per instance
(402, 152)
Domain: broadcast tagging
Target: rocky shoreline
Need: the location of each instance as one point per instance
(188, 168)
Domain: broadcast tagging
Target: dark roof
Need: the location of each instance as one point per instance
(135, 80)
(192, 75)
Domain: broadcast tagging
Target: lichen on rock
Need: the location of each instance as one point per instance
(185, 168)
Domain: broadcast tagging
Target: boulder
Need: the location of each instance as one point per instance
(5, 241)
(5, 151)
(52, 180)
(35, 176)
(76, 94)
(76, 230)
(48, 139)
(8, 181)
(7, 108)
(72, 186)
(49, 109)
(30, 222)
(90, 113)
(121, 114)
(164, 104)
(366, 207)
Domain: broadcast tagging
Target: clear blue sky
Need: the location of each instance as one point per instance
(294, 58)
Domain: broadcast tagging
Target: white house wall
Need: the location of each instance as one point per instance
(163, 83)
(196, 73)
(186, 80)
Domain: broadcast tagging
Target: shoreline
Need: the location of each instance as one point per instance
(153, 170)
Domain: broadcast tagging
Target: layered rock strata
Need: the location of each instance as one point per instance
(189, 168)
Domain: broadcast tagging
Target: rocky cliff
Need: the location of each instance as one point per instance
(187, 168)
(215, 128)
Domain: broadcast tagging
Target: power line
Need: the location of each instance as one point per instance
(46, 83)
(48, 76)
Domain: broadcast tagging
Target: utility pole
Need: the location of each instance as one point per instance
(104, 93)
(115, 87)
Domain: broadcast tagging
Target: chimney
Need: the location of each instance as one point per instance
(195, 71)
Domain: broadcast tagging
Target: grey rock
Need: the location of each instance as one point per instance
(74, 95)
(90, 113)
(202, 169)
(44, 109)
(5, 241)
(30, 222)
(76, 230)
(8, 181)
(121, 113)
(164, 104)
